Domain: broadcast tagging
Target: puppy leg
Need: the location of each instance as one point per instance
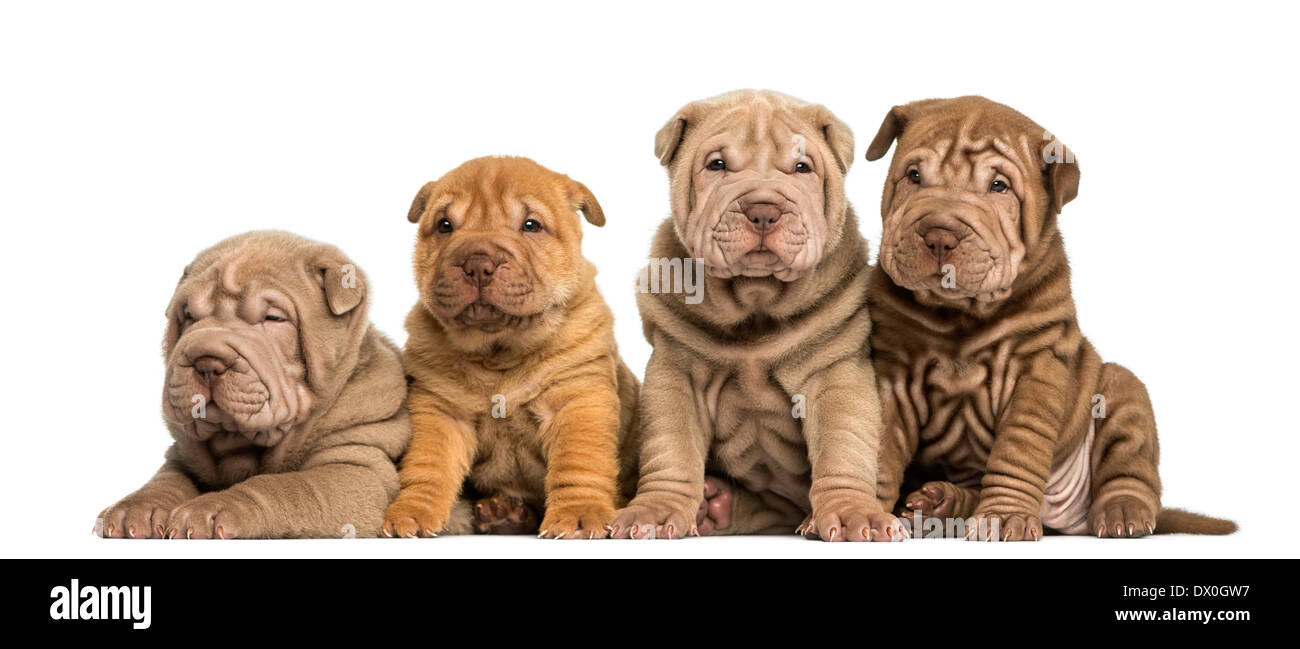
(341, 491)
(581, 446)
(674, 444)
(898, 441)
(1125, 452)
(843, 435)
(729, 508)
(144, 513)
(432, 471)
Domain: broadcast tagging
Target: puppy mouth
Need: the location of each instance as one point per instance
(481, 312)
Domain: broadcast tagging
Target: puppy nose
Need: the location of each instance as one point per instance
(210, 365)
(763, 215)
(479, 269)
(940, 241)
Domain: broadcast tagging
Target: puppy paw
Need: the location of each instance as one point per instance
(409, 518)
(587, 520)
(504, 515)
(1121, 517)
(714, 514)
(656, 516)
(933, 499)
(1001, 526)
(850, 520)
(134, 518)
(217, 515)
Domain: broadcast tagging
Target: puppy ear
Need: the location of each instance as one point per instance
(584, 201)
(837, 134)
(421, 201)
(1061, 176)
(893, 125)
(342, 282)
(670, 137)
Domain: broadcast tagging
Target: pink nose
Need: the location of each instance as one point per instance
(940, 241)
(479, 269)
(763, 215)
(210, 365)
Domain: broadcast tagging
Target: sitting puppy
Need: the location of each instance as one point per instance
(986, 382)
(284, 403)
(761, 380)
(516, 383)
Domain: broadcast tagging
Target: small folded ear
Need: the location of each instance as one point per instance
(584, 201)
(893, 125)
(421, 201)
(837, 134)
(1062, 182)
(670, 137)
(343, 283)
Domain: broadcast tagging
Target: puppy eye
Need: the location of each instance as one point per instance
(999, 187)
(914, 175)
(272, 318)
(718, 164)
(444, 226)
(802, 167)
(531, 225)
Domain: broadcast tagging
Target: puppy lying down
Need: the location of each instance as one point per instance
(284, 405)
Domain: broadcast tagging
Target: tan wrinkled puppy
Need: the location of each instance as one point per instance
(284, 403)
(988, 386)
(764, 382)
(516, 383)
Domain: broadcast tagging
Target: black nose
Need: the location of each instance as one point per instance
(479, 269)
(209, 365)
(940, 241)
(763, 215)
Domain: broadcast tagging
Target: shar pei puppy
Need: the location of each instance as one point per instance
(760, 379)
(1005, 412)
(284, 403)
(521, 407)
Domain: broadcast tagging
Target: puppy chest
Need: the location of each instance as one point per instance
(758, 434)
(509, 458)
(952, 406)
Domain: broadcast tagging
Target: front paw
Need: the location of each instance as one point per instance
(217, 515)
(411, 517)
(1120, 517)
(656, 516)
(1003, 526)
(849, 520)
(581, 520)
(134, 517)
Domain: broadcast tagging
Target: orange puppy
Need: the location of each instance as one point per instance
(516, 383)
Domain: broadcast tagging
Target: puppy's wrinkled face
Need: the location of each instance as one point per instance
(757, 187)
(238, 376)
(499, 244)
(969, 195)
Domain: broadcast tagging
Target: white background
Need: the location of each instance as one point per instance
(133, 135)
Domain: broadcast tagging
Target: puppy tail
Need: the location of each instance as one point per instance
(1177, 521)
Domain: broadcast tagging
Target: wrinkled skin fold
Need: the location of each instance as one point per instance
(996, 408)
(285, 406)
(759, 387)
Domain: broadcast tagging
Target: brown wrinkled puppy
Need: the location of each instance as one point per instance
(761, 383)
(516, 383)
(284, 403)
(988, 387)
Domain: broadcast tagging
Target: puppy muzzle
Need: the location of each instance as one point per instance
(754, 227)
(223, 380)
